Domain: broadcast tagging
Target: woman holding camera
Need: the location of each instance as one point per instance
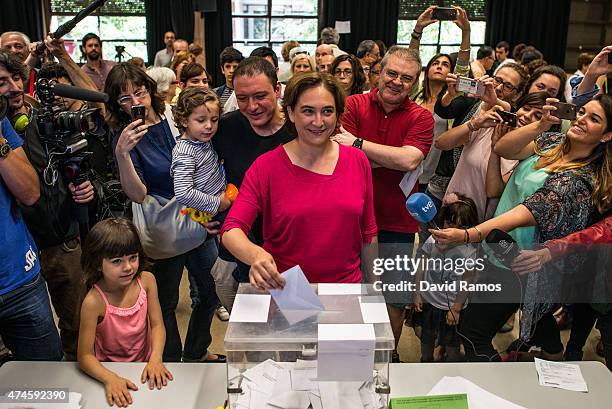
(143, 153)
(574, 173)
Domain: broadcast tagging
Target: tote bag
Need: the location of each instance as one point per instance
(163, 230)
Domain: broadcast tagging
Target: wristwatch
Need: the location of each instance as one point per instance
(5, 148)
(358, 143)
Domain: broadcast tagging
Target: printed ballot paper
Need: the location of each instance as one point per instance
(458, 401)
(478, 398)
(560, 375)
(346, 352)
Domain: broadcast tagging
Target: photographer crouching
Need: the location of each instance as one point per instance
(64, 190)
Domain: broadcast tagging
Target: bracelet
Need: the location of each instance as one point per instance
(417, 32)
(465, 50)
(415, 37)
(466, 236)
(479, 233)
(470, 126)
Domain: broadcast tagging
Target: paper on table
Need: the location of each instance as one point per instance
(346, 352)
(560, 375)
(338, 289)
(409, 180)
(250, 308)
(297, 293)
(478, 398)
(373, 309)
(455, 401)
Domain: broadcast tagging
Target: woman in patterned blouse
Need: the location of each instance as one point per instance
(578, 184)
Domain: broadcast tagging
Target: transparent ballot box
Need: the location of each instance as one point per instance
(337, 357)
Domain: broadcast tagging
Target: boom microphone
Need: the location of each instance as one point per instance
(70, 24)
(69, 91)
(503, 246)
(422, 208)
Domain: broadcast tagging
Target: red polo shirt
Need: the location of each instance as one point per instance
(409, 125)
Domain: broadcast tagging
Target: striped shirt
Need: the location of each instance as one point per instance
(198, 176)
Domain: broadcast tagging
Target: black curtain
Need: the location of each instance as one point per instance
(24, 16)
(541, 23)
(162, 16)
(217, 35)
(370, 20)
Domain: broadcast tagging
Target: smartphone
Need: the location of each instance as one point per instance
(444, 14)
(610, 57)
(470, 86)
(565, 111)
(508, 117)
(138, 112)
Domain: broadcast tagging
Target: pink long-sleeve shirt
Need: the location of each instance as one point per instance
(317, 221)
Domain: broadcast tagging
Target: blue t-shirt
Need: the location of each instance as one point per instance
(19, 261)
(152, 157)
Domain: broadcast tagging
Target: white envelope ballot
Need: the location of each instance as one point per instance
(297, 294)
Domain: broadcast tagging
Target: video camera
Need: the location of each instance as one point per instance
(65, 133)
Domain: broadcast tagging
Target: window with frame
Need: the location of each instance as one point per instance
(270, 23)
(443, 36)
(119, 24)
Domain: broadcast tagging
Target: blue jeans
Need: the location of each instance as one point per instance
(168, 273)
(26, 323)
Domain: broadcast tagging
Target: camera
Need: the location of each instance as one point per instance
(119, 49)
(444, 14)
(470, 86)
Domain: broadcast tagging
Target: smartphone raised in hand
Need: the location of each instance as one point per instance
(564, 110)
(470, 86)
(138, 112)
(508, 118)
(444, 14)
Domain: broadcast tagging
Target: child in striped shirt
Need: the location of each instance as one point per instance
(199, 178)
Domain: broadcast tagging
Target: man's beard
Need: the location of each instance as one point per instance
(94, 55)
(14, 106)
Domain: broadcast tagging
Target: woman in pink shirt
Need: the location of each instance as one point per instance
(314, 194)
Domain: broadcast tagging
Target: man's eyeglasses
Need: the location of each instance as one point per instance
(392, 75)
(506, 85)
(346, 73)
(127, 99)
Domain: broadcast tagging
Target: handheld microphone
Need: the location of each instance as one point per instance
(422, 209)
(69, 91)
(503, 246)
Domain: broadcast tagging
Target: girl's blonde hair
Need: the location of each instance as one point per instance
(189, 100)
(600, 158)
(110, 238)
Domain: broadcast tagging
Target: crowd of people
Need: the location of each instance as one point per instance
(318, 147)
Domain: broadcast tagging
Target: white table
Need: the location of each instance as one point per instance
(194, 385)
(513, 381)
(204, 385)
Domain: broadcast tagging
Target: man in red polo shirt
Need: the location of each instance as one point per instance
(395, 134)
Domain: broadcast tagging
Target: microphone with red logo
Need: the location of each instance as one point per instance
(422, 208)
